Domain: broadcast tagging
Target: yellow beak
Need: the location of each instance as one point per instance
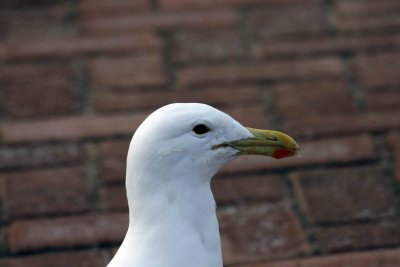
(265, 142)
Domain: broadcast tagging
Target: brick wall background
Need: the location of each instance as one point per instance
(77, 78)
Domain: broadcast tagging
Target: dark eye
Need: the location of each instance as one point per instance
(201, 129)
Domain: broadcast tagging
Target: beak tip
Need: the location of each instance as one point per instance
(291, 147)
(285, 153)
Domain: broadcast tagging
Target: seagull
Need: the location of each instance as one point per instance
(171, 159)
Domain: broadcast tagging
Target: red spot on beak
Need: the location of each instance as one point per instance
(282, 153)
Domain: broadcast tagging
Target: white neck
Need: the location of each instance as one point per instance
(172, 221)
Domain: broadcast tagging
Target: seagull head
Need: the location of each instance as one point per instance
(188, 138)
(171, 159)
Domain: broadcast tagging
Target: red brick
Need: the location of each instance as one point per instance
(378, 70)
(73, 46)
(38, 22)
(340, 124)
(112, 160)
(304, 99)
(164, 21)
(317, 45)
(390, 258)
(45, 192)
(196, 4)
(89, 9)
(363, 259)
(293, 263)
(134, 100)
(113, 198)
(217, 44)
(21, 4)
(248, 188)
(250, 116)
(356, 193)
(86, 258)
(256, 232)
(36, 89)
(358, 236)
(85, 230)
(225, 97)
(222, 96)
(127, 72)
(385, 23)
(365, 8)
(394, 146)
(70, 128)
(367, 15)
(299, 69)
(326, 151)
(383, 101)
(381, 258)
(271, 22)
(39, 155)
(3, 238)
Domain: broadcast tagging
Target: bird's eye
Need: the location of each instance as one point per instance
(201, 129)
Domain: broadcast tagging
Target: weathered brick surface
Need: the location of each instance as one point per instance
(378, 70)
(298, 100)
(25, 93)
(218, 96)
(367, 16)
(358, 236)
(365, 8)
(20, 4)
(248, 188)
(178, 4)
(272, 22)
(208, 45)
(78, 77)
(161, 21)
(260, 232)
(394, 147)
(381, 258)
(69, 46)
(85, 230)
(3, 239)
(89, 9)
(69, 128)
(383, 101)
(86, 258)
(40, 155)
(113, 198)
(321, 45)
(375, 122)
(344, 195)
(112, 160)
(127, 72)
(224, 96)
(55, 191)
(299, 69)
(250, 116)
(37, 22)
(133, 100)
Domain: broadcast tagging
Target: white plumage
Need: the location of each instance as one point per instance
(172, 217)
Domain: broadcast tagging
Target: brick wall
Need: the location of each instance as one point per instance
(77, 78)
